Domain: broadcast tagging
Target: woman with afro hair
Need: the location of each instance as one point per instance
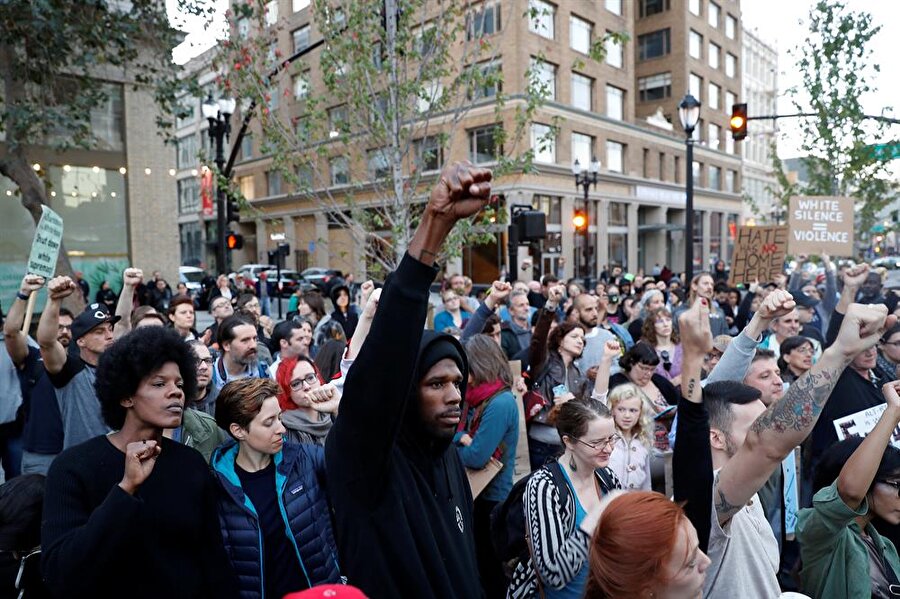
(134, 513)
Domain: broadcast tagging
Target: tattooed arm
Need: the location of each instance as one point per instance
(789, 421)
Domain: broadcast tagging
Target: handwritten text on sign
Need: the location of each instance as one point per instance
(821, 225)
(758, 254)
(47, 241)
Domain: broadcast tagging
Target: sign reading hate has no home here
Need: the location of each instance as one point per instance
(759, 254)
(821, 225)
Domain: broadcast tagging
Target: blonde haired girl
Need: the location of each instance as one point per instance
(634, 422)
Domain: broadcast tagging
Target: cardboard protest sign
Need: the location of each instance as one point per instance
(821, 225)
(861, 424)
(46, 244)
(759, 254)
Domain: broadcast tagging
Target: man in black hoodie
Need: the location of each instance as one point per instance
(402, 504)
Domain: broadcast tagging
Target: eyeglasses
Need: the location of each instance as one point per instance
(607, 442)
(310, 380)
(803, 350)
(892, 483)
(895, 343)
(207, 361)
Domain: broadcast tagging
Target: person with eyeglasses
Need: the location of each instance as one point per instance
(308, 408)
(562, 521)
(857, 486)
(796, 358)
(274, 513)
(888, 359)
(206, 391)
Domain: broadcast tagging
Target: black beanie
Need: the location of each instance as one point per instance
(436, 347)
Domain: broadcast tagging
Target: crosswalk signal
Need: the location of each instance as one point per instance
(738, 121)
(580, 221)
(233, 210)
(234, 241)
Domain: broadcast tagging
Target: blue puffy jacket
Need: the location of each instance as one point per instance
(299, 477)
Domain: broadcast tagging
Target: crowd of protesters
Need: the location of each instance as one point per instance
(647, 437)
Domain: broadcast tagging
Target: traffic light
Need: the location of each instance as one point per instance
(234, 241)
(580, 221)
(233, 210)
(738, 121)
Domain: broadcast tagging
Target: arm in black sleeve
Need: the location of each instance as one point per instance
(475, 324)
(537, 350)
(692, 468)
(834, 325)
(743, 314)
(221, 580)
(379, 382)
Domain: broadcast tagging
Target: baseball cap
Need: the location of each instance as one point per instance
(721, 342)
(93, 316)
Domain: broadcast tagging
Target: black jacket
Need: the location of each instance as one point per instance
(402, 503)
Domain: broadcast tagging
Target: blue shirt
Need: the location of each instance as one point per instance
(499, 426)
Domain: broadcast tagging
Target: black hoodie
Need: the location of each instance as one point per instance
(402, 504)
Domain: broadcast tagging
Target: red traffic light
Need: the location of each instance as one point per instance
(580, 221)
(234, 241)
(738, 121)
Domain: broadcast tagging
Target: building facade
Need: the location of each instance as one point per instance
(760, 92)
(621, 111)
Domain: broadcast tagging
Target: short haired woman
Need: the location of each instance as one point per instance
(181, 317)
(488, 428)
(561, 529)
(796, 357)
(306, 420)
(273, 509)
(133, 513)
(663, 560)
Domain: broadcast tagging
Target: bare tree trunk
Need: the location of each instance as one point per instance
(16, 167)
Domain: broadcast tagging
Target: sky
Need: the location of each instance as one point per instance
(778, 22)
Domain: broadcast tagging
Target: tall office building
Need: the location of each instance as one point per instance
(760, 92)
(621, 111)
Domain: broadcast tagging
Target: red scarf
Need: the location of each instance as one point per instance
(475, 397)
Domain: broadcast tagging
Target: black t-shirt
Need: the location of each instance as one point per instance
(282, 571)
(43, 423)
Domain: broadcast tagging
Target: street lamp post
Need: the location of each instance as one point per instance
(585, 180)
(218, 113)
(689, 114)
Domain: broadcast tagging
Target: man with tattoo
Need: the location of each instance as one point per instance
(748, 442)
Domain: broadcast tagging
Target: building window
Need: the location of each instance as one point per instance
(582, 92)
(694, 7)
(243, 28)
(729, 144)
(730, 65)
(615, 102)
(271, 13)
(429, 154)
(614, 6)
(300, 84)
(713, 98)
(337, 120)
(714, 134)
(186, 152)
(543, 75)
(273, 183)
(541, 17)
(298, 5)
(695, 86)
(247, 187)
(543, 142)
(582, 149)
(695, 45)
(662, 166)
(655, 87)
(730, 100)
(432, 93)
(714, 53)
(300, 38)
(484, 20)
(654, 45)
(247, 147)
(580, 34)
(340, 170)
(712, 16)
(730, 27)
(615, 53)
(697, 170)
(188, 195)
(652, 7)
(730, 177)
(305, 177)
(483, 144)
(715, 178)
(378, 164)
(615, 157)
(486, 81)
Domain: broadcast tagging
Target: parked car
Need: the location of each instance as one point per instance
(192, 277)
(320, 277)
(888, 262)
(291, 280)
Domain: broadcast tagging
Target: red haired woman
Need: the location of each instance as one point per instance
(664, 558)
(308, 407)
